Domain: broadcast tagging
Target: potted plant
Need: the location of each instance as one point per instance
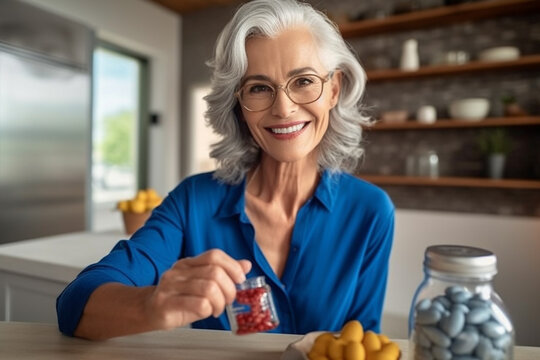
(495, 144)
(511, 106)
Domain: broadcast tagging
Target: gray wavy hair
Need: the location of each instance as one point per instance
(237, 152)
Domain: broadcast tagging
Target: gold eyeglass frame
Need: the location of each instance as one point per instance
(285, 90)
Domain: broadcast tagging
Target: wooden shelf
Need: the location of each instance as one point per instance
(451, 182)
(437, 17)
(456, 124)
(523, 63)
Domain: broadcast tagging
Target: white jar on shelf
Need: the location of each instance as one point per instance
(409, 56)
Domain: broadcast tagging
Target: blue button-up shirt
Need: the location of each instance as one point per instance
(336, 268)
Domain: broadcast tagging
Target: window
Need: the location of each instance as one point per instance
(200, 148)
(118, 132)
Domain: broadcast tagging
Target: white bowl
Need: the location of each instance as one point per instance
(298, 350)
(471, 109)
(501, 53)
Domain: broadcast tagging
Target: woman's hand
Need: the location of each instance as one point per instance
(192, 289)
(195, 288)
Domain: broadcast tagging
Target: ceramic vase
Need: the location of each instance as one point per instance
(496, 165)
(409, 56)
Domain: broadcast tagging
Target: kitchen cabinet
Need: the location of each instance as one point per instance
(33, 273)
(436, 18)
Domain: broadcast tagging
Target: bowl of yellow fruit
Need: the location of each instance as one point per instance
(136, 211)
(352, 343)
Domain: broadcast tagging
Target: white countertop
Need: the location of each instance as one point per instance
(58, 258)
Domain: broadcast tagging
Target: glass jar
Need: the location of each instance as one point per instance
(253, 309)
(455, 312)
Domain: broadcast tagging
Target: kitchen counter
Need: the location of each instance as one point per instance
(34, 272)
(33, 341)
(59, 257)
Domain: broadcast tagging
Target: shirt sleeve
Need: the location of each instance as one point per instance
(139, 261)
(374, 273)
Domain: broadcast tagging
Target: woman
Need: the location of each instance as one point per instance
(285, 99)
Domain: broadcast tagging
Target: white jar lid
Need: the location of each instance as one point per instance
(460, 260)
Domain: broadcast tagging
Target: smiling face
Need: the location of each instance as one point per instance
(288, 132)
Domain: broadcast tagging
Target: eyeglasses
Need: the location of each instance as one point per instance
(259, 95)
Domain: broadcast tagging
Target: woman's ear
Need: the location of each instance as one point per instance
(335, 87)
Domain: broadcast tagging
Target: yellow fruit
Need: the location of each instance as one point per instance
(384, 339)
(137, 206)
(354, 351)
(352, 331)
(141, 195)
(319, 348)
(371, 341)
(152, 194)
(353, 344)
(320, 345)
(336, 348)
(389, 351)
(123, 205)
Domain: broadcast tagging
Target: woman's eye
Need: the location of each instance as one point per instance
(303, 81)
(259, 89)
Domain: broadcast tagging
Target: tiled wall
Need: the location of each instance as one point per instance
(386, 152)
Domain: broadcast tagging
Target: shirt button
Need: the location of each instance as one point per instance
(294, 249)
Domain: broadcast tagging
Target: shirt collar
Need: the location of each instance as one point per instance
(326, 191)
(234, 201)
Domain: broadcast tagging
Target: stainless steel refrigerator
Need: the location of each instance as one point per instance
(45, 136)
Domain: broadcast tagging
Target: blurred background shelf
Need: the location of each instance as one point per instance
(456, 124)
(451, 181)
(524, 63)
(438, 16)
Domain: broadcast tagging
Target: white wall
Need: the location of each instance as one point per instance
(515, 241)
(155, 33)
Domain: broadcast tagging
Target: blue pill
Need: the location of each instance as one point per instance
(465, 342)
(437, 336)
(428, 317)
(454, 289)
(443, 300)
(484, 349)
(462, 307)
(493, 329)
(497, 355)
(423, 304)
(503, 342)
(439, 306)
(440, 353)
(475, 302)
(478, 315)
(460, 297)
(453, 324)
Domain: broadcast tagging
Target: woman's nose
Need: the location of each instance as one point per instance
(283, 106)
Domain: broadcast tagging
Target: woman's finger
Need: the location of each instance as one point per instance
(217, 257)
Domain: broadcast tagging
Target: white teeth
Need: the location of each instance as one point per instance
(288, 130)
